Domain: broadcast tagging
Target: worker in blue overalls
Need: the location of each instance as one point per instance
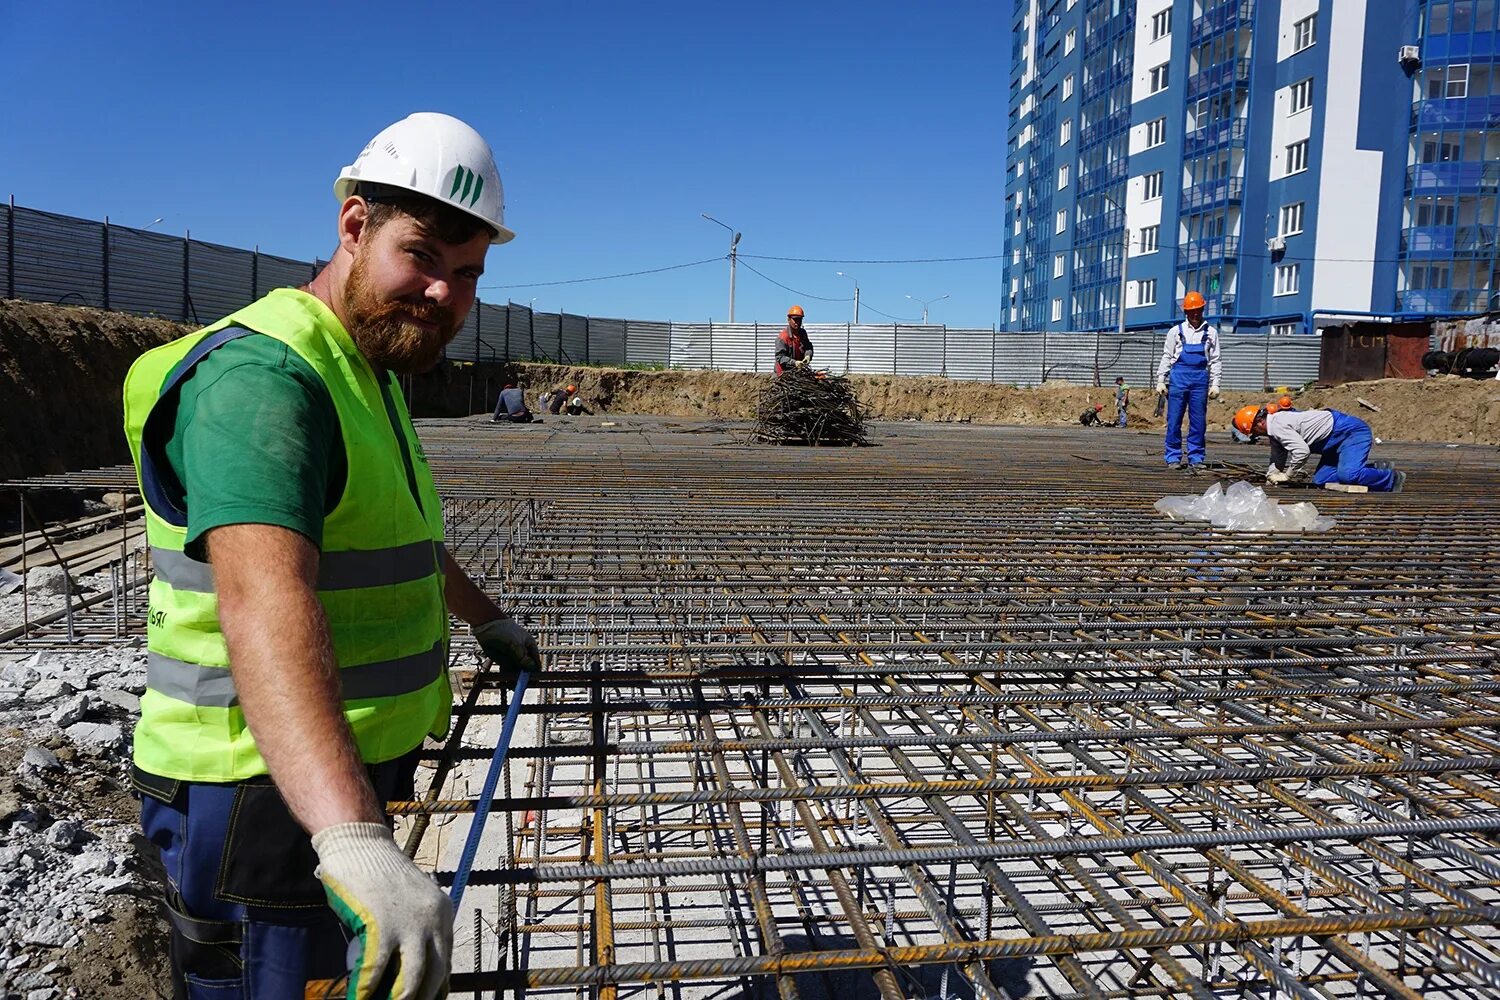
(1189, 375)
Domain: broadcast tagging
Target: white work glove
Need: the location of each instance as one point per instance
(402, 921)
(1161, 386)
(513, 649)
(1275, 477)
(1213, 392)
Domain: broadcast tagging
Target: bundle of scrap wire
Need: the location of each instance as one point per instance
(803, 406)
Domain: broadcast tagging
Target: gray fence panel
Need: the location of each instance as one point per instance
(546, 337)
(1258, 361)
(691, 345)
(58, 258)
(4, 250)
(919, 350)
(145, 272)
(1134, 358)
(607, 341)
(490, 338)
(463, 346)
(280, 272)
(970, 354)
(218, 281)
(735, 348)
(647, 342)
(575, 342)
(1070, 357)
(1018, 358)
(830, 348)
(872, 350)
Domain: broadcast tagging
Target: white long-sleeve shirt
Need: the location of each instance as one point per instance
(1182, 333)
(1296, 434)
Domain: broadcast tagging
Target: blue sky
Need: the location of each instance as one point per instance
(871, 130)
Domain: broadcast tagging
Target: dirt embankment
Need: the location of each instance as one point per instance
(61, 369)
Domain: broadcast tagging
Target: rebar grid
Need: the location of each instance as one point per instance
(961, 715)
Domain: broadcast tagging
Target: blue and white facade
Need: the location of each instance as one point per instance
(1297, 162)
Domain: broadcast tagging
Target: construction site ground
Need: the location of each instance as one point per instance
(957, 714)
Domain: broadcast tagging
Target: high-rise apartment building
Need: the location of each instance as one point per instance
(1292, 160)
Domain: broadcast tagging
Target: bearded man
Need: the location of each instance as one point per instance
(298, 630)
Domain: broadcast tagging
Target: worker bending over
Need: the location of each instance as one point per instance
(298, 630)
(1090, 417)
(1189, 376)
(792, 346)
(574, 406)
(1341, 441)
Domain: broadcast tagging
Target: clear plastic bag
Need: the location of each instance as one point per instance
(1244, 507)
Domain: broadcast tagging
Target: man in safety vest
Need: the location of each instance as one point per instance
(298, 631)
(792, 345)
(1189, 376)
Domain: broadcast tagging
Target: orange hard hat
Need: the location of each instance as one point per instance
(572, 388)
(1245, 417)
(1192, 300)
(1285, 402)
(794, 311)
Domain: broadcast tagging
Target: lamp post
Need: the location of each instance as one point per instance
(734, 242)
(151, 223)
(925, 303)
(852, 278)
(1124, 262)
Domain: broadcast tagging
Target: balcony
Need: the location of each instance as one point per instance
(1453, 177)
(1210, 194)
(1205, 251)
(1096, 274)
(1221, 17)
(1230, 131)
(1443, 241)
(1446, 300)
(1111, 173)
(1117, 75)
(1231, 72)
(1104, 128)
(1097, 225)
(1456, 113)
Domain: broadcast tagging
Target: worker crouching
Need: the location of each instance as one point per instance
(1342, 443)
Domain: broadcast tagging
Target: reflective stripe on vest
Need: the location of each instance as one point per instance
(347, 570)
(212, 687)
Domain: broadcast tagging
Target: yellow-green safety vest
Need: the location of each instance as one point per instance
(380, 575)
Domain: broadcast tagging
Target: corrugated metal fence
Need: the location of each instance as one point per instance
(57, 258)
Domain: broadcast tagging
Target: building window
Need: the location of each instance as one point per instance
(1150, 235)
(1301, 96)
(1291, 219)
(1296, 157)
(1058, 263)
(1145, 292)
(1283, 329)
(1056, 310)
(1065, 132)
(1070, 41)
(1067, 86)
(1156, 133)
(1160, 77)
(1063, 173)
(1161, 24)
(1152, 186)
(1304, 33)
(1062, 220)
(1288, 279)
(1458, 80)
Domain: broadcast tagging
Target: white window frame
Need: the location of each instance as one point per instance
(1283, 329)
(1301, 97)
(1454, 78)
(1144, 288)
(1161, 24)
(1064, 174)
(1305, 33)
(1151, 186)
(1070, 41)
(1067, 86)
(1296, 153)
(1156, 133)
(1065, 132)
(1059, 263)
(1150, 239)
(1056, 310)
(1160, 78)
(1291, 215)
(1062, 221)
(1288, 279)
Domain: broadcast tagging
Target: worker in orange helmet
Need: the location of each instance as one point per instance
(1189, 376)
(792, 346)
(574, 406)
(1340, 441)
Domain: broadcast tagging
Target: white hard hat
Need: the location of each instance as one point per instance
(438, 156)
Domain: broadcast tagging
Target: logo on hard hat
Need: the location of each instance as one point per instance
(465, 179)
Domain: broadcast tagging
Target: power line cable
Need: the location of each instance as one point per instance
(805, 295)
(607, 277)
(898, 319)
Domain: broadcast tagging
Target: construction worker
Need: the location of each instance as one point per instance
(792, 345)
(1122, 401)
(553, 401)
(574, 406)
(511, 407)
(298, 631)
(1090, 417)
(1341, 441)
(1189, 376)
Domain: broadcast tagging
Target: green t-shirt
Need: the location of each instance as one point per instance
(254, 440)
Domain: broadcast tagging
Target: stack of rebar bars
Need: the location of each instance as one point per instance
(804, 406)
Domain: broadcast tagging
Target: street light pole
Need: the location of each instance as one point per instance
(852, 278)
(925, 304)
(734, 242)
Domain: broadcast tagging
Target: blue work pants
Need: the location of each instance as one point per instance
(1187, 393)
(1344, 452)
